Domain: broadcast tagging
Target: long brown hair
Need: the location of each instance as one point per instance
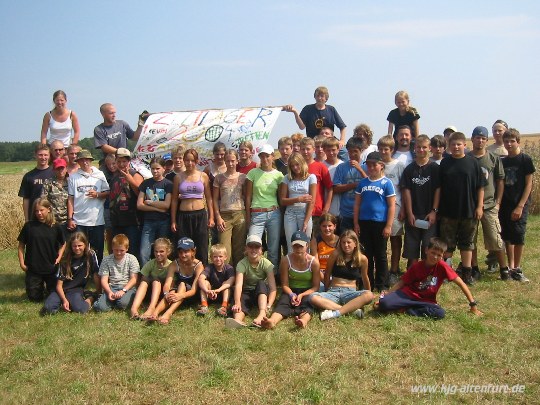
(67, 257)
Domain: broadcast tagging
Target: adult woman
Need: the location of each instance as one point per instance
(190, 218)
(60, 122)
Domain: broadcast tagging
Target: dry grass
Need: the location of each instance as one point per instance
(11, 213)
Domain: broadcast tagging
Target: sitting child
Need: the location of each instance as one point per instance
(255, 285)
(300, 277)
(416, 292)
(181, 281)
(216, 281)
(345, 265)
(153, 273)
(78, 264)
(118, 274)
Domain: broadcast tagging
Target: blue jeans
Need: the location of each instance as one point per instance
(96, 238)
(271, 221)
(151, 230)
(294, 221)
(104, 304)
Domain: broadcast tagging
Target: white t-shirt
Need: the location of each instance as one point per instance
(334, 207)
(87, 211)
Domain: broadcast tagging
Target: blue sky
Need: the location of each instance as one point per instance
(464, 63)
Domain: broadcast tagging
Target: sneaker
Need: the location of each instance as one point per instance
(359, 313)
(505, 273)
(449, 261)
(459, 271)
(393, 278)
(517, 274)
(231, 323)
(327, 314)
(202, 311)
(492, 268)
(467, 275)
(476, 275)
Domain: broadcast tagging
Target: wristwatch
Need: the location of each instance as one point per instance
(473, 304)
(124, 290)
(435, 210)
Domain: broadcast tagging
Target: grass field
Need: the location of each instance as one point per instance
(106, 358)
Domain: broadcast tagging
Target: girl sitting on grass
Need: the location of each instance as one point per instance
(41, 245)
(325, 243)
(345, 265)
(300, 277)
(153, 273)
(78, 264)
(181, 281)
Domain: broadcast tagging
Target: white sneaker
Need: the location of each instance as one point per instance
(327, 314)
(359, 313)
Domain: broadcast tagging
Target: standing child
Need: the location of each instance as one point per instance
(518, 170)
(216, 281)
(374, 208)
(437, 147)
(118, 274)
(255, 285)
(320, 156)
(153, 276)
(177, 156)
(346, 179)
(331, 151)
(78, 264)
(245, 152)
(497, 148)
(181, 282)
(416, 292)
(461, 202)
(299, 272)
(262, 207)
(345, 265)
(404, 114)
(41, 245)
(297, 192)
(323, 197)
(190, 216)
(154, 201)
(285, 147)
(296, 139)
(421, 192)
(229, 208)
(393, 170)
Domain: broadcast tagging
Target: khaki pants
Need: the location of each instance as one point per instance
(234, 236)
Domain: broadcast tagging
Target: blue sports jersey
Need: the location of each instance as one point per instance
(374, 206)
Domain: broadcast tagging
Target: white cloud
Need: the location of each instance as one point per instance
(402, 33)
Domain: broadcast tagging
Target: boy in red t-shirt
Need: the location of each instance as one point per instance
(416, 292)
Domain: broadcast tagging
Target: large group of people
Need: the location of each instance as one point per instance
(323, 213)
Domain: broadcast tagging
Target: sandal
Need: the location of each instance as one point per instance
(221, 311)
(231, 323)
(202, 311)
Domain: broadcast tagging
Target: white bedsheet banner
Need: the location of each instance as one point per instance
(201, 129)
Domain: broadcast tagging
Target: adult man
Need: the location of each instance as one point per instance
(403, 150)
(57, 150)
(32, 182)
(112, 134)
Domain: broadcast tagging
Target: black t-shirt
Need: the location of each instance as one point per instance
(421, 181)
(217, 278)
(282, 166)
(122, 201)
(32, 185)
(460, 180)
(398, 120)
(315, 119)
(80, 272)
(42, 243)
(515, 170)
(156, 190)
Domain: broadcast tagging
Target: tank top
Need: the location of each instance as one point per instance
(191, 189)
(346, 272)
(61, 131)
(323, 250)
(179, 277)
(300, 279)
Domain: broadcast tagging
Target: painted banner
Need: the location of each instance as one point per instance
(201, 129)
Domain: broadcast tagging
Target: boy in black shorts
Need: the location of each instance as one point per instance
(518, 170)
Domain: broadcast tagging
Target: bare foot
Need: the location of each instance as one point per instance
(267, 323)
(300, 322)
(148, 314)
(164, 321)
(257, 321)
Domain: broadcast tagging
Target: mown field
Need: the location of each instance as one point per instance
(106, 358)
